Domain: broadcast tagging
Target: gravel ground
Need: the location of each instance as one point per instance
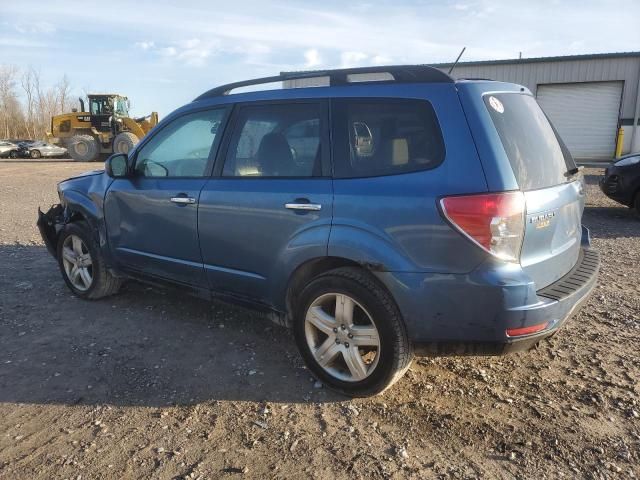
(151, 384)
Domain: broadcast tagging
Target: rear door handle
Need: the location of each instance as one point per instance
(183, 200)
(303, 206)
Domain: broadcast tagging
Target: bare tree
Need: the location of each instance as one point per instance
(8, 99)
(30, 118)
(28, 85)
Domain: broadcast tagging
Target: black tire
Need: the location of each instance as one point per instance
(83, 148)
(103, 283)
(124, 142)
(13, 154)
(35, 154)
(636, 202)
(395, 353)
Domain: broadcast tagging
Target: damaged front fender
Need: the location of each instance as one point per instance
(50, 224)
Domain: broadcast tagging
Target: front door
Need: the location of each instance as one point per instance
(270, 206)
(152, 217)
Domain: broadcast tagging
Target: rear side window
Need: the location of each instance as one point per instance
(376, 137)
(276, 141)
(537, 155)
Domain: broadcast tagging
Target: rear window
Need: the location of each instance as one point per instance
(538, 156)
(375, 137)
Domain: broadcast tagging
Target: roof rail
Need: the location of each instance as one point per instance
(400, 74)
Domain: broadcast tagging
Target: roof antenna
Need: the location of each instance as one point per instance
(457, 59)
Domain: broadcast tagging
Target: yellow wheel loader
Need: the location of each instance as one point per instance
(104, 129)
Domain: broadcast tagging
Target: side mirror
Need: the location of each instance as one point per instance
(117, 166)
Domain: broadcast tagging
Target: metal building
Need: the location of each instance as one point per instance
(587, 97)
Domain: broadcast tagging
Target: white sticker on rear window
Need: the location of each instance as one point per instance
(496, 104)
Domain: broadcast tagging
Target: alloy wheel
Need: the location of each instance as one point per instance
(342, 337)
(77, 263)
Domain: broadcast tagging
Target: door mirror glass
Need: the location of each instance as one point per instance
(117, 166)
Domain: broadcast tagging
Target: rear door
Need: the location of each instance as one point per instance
(269, 205)
(516, 139)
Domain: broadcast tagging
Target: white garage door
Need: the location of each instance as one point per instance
(585, 115)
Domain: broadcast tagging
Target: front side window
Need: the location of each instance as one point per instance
(182, 148)
(386, 136)
(276, 141)
(100, 106)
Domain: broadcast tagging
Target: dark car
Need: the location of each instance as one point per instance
(376, 218)
(621, 181)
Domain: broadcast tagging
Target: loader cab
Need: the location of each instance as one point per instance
(104, 107)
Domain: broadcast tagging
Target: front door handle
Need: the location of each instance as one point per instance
(303, 206)
(183, 200)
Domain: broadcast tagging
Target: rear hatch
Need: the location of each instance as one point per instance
(544, 171)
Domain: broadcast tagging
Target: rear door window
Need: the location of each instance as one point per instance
(276, 140)
(375, 137)
(538, 156)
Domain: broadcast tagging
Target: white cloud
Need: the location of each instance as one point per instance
(352, 59)
(168, 51)
(193, 52)
(34, 28)
(312, 58)
(461, 6)
(146, 45)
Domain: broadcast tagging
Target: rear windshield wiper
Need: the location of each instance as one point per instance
(572, 171)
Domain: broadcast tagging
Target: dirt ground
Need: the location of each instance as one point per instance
(151, 384)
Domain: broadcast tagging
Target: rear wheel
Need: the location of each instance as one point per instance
(124, 142)
(35, 154)
(13, 154)
(82, 265)
(636, 202)
(350, 333)
(83, 148)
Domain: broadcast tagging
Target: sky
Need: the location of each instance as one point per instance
(162, 54)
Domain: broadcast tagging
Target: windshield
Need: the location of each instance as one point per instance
(538, 156)
(120, 107)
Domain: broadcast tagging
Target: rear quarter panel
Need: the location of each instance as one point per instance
(393, 222)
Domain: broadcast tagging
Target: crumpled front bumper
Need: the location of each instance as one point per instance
(49, 224)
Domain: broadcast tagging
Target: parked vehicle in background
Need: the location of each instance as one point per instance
(377, 219)
(621, 181)
(40, 150)
(104, 128)
(8, 149)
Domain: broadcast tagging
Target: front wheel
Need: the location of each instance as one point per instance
(350, 333)
(35, 154)
(82, 265)
(13, 154)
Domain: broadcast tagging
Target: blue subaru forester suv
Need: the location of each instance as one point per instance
(393, 211)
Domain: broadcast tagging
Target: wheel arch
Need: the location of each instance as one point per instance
(312, 268)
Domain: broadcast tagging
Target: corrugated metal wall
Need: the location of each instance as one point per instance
(532, 74)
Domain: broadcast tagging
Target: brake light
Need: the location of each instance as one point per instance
(516, 332)
(493, 221)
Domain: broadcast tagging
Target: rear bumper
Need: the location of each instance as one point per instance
(471, 314)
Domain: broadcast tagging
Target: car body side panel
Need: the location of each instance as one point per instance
(494, 160)
(393, 221)
(84, 195)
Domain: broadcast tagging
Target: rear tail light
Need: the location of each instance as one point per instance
(493, 221)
